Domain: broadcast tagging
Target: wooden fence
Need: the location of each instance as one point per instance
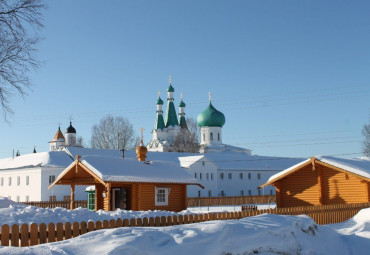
(240, 200)
(191, 201)
(53, 204)
(34, 234)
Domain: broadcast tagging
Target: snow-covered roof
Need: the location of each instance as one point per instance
(118, 169)
(241, 161)
(359, 166)
(51, 159)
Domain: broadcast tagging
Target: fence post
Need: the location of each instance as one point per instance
(51, 233)
(5, 235)
(42, 233)
(24, 235)
(15, 235)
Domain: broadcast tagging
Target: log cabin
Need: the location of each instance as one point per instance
(130, 184)
(323, 180)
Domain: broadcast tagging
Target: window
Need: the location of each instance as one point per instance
(249, 192)
(52, 198)
(222, 193)
(27, 180)
(209, 193)
(51, 179)
(27, 198)
(258, 176)
(199, 193)
(242, 193)
(1, 181)
(249, 176)
(241, 175)
(221, 176)
(212, 176)
(211, 136)
(218, 136)
(204, 137)
(200, 176)
(17, 199)
(161, 196)
(10, 181)
(229, 175)
(203, 163)
(271, 192)
(195, 175)
(207, 176)
(259, 192)
(18, 181)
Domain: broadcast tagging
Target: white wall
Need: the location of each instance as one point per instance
(21, 191)
(199, 170)
(59, 191)
(249, 186)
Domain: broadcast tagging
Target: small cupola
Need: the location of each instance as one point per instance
(70, 129)
(141, 150)
(70, 135)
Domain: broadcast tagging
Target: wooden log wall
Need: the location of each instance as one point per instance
(29, 235)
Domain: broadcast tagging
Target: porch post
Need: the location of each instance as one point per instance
(109, 197)
(72, 197)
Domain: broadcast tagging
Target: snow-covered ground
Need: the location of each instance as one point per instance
(263, 234)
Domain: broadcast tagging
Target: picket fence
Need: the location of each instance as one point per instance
(28, 235)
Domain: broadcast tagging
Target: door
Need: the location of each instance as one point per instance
(118, 198)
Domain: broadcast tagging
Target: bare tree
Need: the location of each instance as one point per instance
(20, 23)
(188, 139)
(114, 133)
(366, 142)
(80, 142)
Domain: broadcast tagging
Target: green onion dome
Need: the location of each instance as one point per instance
(170, 89)
(210, 117)
(159, 101)
(182, 104)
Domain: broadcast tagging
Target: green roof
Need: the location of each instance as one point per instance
(171, 117)
(159, 101)
(182, 122)
(159, 122)
(170, 89)
(182, 104)
(210, 117)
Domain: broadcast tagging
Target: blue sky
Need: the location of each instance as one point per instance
(291, 77)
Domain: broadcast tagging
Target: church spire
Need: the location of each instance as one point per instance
(171, 117)
(182, 120)
(159, 122)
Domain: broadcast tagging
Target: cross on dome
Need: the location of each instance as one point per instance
(181, 95)
(170, 79)
(210, 96)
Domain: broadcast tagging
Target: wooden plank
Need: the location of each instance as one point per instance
(126, 223)
(105, 224)
(67, 230)
(169, 220)
(14, 235)
(83, 227)
(60, 231)
(119, 223)
(75, 229)
(157, 221)
(163, 221)
(98, 225)
(51, 233)
(151, 221)
(5, 235)
(90, 226)
(42, 233)
(139, 222)
(132, 222)
(112, 223)
(25, 240)
(145, 222)
(34, 234)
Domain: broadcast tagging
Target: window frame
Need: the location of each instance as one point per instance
(166, 196)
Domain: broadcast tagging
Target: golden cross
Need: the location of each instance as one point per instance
(181, 95)
(210, 96)
(159, 93)
(170, 79)
(141, 130)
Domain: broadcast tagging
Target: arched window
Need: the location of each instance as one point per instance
(211, 136)
(218, 136)
(204, 137)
